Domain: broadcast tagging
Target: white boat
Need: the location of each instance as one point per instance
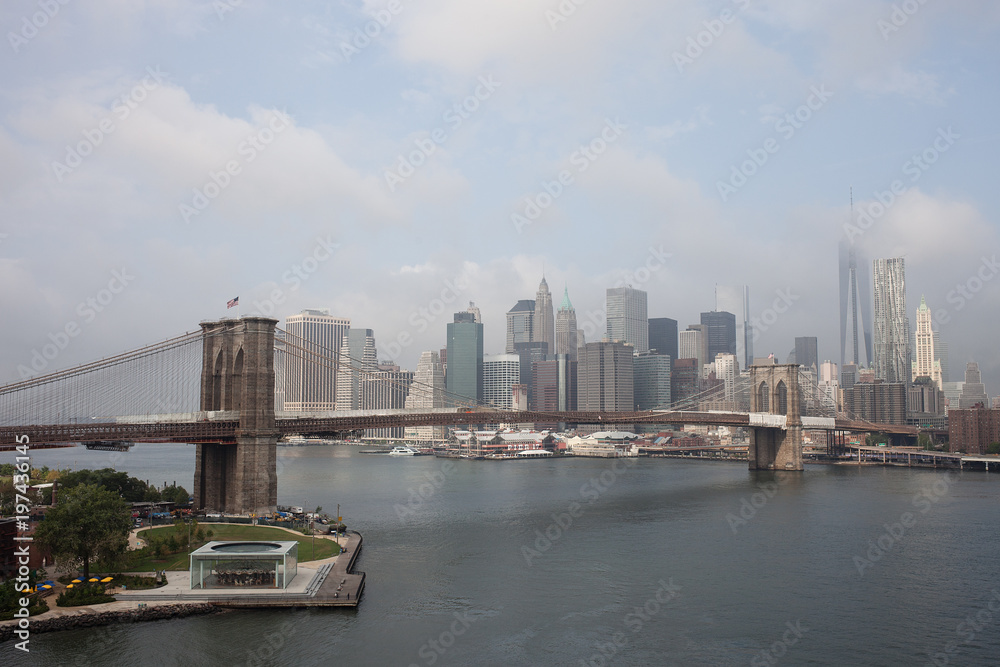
(403, 451)
(534, 454)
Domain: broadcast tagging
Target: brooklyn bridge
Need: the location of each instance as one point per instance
(216, 388)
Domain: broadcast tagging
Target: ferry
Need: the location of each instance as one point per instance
(402, 451)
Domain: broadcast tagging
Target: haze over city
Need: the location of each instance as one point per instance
(376, 159)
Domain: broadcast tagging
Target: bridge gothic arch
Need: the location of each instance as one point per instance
(238, 375)
(776, 392)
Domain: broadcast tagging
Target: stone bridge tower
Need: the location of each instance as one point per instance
(237, 374)
(775, 391)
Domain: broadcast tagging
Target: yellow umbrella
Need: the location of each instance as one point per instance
(94, 579)
(106, 580)
(78, 581)
(46, 586)
(69, 585)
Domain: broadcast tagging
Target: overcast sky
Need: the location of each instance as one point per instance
(393, 160)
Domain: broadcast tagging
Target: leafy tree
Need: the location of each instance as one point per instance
(88, 524)
(994, 448)
(131, 489)
(178, 495)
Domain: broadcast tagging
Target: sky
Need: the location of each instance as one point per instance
(393, 160)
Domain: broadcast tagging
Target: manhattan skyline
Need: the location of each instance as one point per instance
(152, 171)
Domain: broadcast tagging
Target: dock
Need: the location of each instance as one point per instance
(328, 584)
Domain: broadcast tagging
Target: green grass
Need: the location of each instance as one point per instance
(223, 531)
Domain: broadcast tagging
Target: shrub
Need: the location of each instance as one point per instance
(84, 594)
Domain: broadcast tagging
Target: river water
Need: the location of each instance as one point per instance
(600, 562)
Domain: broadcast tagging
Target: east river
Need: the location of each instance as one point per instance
(601, 562)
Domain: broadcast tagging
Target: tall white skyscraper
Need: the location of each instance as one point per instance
(627, 320)
(925, 362)
(358, 359)
(566, 335)
(892, 335)
(727, 369)
(500, 373)
(427, 392)
(544, 321)
(692, 344)
(311, 351)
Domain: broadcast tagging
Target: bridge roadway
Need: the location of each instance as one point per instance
(223, 427)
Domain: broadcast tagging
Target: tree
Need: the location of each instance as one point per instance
(88, 524)
(129, 488)
(994, 448)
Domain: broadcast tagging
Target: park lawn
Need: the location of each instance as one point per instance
(228, 531)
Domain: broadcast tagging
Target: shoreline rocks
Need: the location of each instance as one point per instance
(88, 620)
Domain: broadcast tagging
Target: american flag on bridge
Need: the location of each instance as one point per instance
(233, 302)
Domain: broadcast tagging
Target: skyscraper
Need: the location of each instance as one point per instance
(727, 369)
(464, 379)
(544, 324)
(973, 391)
(747, 329)
(663, 336)
(520, 324)
(554, 384)
(651, 385)
(385, 389)
(605, 377)
(854, 298)
(427, 391)
(358, 359)
(692, 345)
(892, 335)
(721, 333)
(806, 352)
(566, 335)
(312, 348)
(925, 362)
(626, 320)
(684, 374)
(500, 373)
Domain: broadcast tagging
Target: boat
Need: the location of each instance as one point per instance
(402, 451)
(534, 454)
